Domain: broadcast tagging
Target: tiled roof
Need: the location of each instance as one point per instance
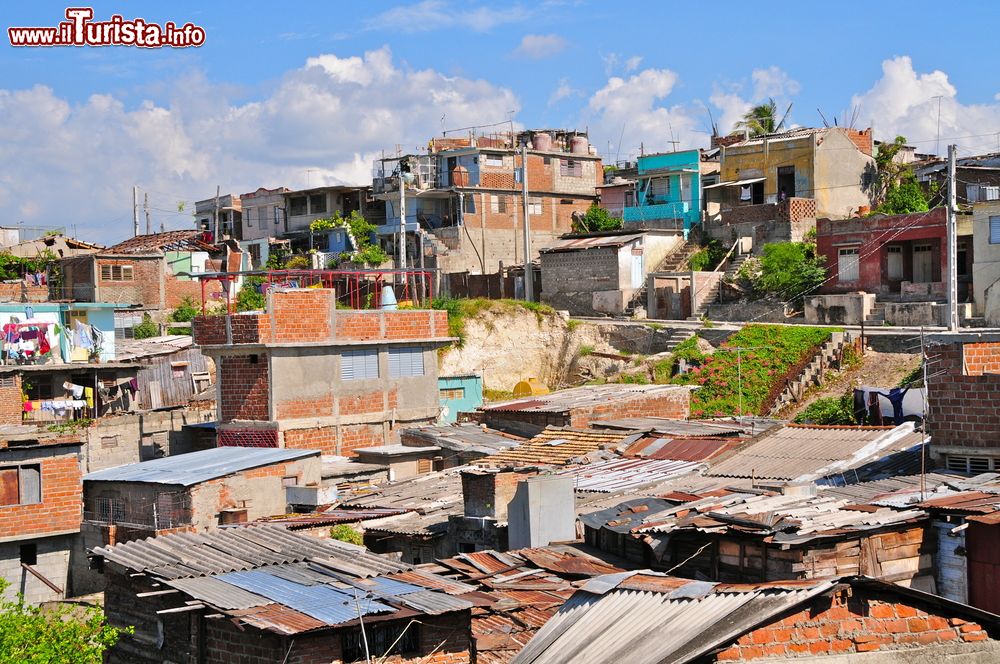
(555, 446)
(810, 452)
(166, 241)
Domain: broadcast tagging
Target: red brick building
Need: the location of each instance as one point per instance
(963, 419)
(895, 255)
(40, 508)
(306, 374)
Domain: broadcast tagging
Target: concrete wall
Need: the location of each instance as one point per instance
(840, 172)
(125, 439)
(52, 555)
(846, 309)
(986, 269)
(542, 511)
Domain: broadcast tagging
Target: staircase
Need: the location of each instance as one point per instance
(828, 356)
(877, 316)
(676, 338)
(438, 248)
(711, 296)
(675, 261)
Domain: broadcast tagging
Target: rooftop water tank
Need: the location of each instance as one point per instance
(460, 176)
(542, 141)
(579, 145)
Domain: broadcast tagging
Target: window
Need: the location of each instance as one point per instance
(398, 638)
(995, 230)
(108, 442)
(248, 217)
(358, 364)
(117, 273)
(492, 159)
(452, 393)
(406, 362)
(20, 485)
(498, 204)
(972, 193)
(28, 554)
(981, 192)
(571, 168)
(895, 262)
(659, 187)
(254, 256)
(317, 204)
(847, 264)
(8, 381)
(961, 266)
(534, 206)
(967, 464)
(297, 206)
(468, 204)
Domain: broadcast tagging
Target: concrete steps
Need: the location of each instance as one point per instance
(675, 261)
(877, 316)
(828, 357)
(676, 338)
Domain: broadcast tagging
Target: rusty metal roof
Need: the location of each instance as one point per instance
(681, 449)
(673, 427)
(801, 452)
(166, 241)
(331, 517)
(587, 396)
(556, 446)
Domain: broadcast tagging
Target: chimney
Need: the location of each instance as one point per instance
(543, 511)
(486, 493)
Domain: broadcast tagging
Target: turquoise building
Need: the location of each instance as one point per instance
(668, 191)
(459, 394)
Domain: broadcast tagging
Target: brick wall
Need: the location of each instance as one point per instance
(961, 401)
(845, 625)
(10, 398)
(143, 290)
(244, 387)
(62, 490)
(674, 404)
(302, 314)
(314, 438)
(175, 290)
(21, 292)
(360, 435)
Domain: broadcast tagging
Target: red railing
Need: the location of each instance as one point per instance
(356, 289)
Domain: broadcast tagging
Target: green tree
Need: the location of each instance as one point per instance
(67, 635)
(345, 533)
(249, 297)
(893, 188)
(789, 270)
(829, 411)
(761, 119)
(595, 220)
(146, 329)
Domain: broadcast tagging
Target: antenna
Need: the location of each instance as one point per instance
(620, 137)
(673, 142)
(825, 121)
(715, 128)
(784, 117)
(854, 116)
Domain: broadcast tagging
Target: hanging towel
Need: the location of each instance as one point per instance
(133, 386)
(88, 396)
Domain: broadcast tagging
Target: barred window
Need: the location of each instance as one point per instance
(117, 273)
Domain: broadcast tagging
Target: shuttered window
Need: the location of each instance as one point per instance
(847, 264)
(359, 364)
(406, 362)
(20, 485)
(116, 273)
(995, 230)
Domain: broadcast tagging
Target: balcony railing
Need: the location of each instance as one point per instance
(680, 211)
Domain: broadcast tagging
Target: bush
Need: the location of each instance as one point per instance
(829, 410)
(789, 270)
(344, 533)
(772, 351)
(184, 313)
(461, 309)
(708, 257)
(249, 298)
(146, 329)
(596, 219)
(298, 263)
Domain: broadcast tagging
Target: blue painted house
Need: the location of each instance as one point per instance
(668, 191)
(459, 394)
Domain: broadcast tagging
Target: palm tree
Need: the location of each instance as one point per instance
(761, 119)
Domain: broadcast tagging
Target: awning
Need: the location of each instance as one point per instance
(734, 183)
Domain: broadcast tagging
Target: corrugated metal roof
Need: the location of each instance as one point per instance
(673, 427)
(555, 446)
(621, 474)
(810, 452)
(464, 438)
(321, 602)
(128, 350)
(195, 467)
(583, 243)
(637, 621)
(166, 241)
(218, 593)
(434, 582)
(681, 449)
(581, 397)
(331, 517)
(278, 618)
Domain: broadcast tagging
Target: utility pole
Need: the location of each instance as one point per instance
(135, 210)
(529, 281)
(215, 221)
(952, 244)
(145, 208)
(401, 245)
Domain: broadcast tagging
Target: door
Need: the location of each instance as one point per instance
(894, 269)
(637, 276)
(685, 186)
(922, 263)
(786, 182)
(847, 264)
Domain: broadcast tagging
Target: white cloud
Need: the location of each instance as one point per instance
(615, 63)
(904, 102)
(436, 15)
(633, 63)
(632, 110)
(563, 91)
(334, 115)
(536, 47)
(773, 82)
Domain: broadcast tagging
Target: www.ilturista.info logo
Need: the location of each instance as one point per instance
(81, 30)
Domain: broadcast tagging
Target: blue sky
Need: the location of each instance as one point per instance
(290, 93)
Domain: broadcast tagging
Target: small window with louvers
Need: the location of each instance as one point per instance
(359, 364)
(995, 230)
(406, 362)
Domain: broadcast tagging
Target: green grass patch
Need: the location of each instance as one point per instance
(773, 351)
(585, 350)
(572, 324)
(829, 410)
(461, 310)
(497, 395)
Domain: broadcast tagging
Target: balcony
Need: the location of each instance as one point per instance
(660, 214)
(789, 210)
